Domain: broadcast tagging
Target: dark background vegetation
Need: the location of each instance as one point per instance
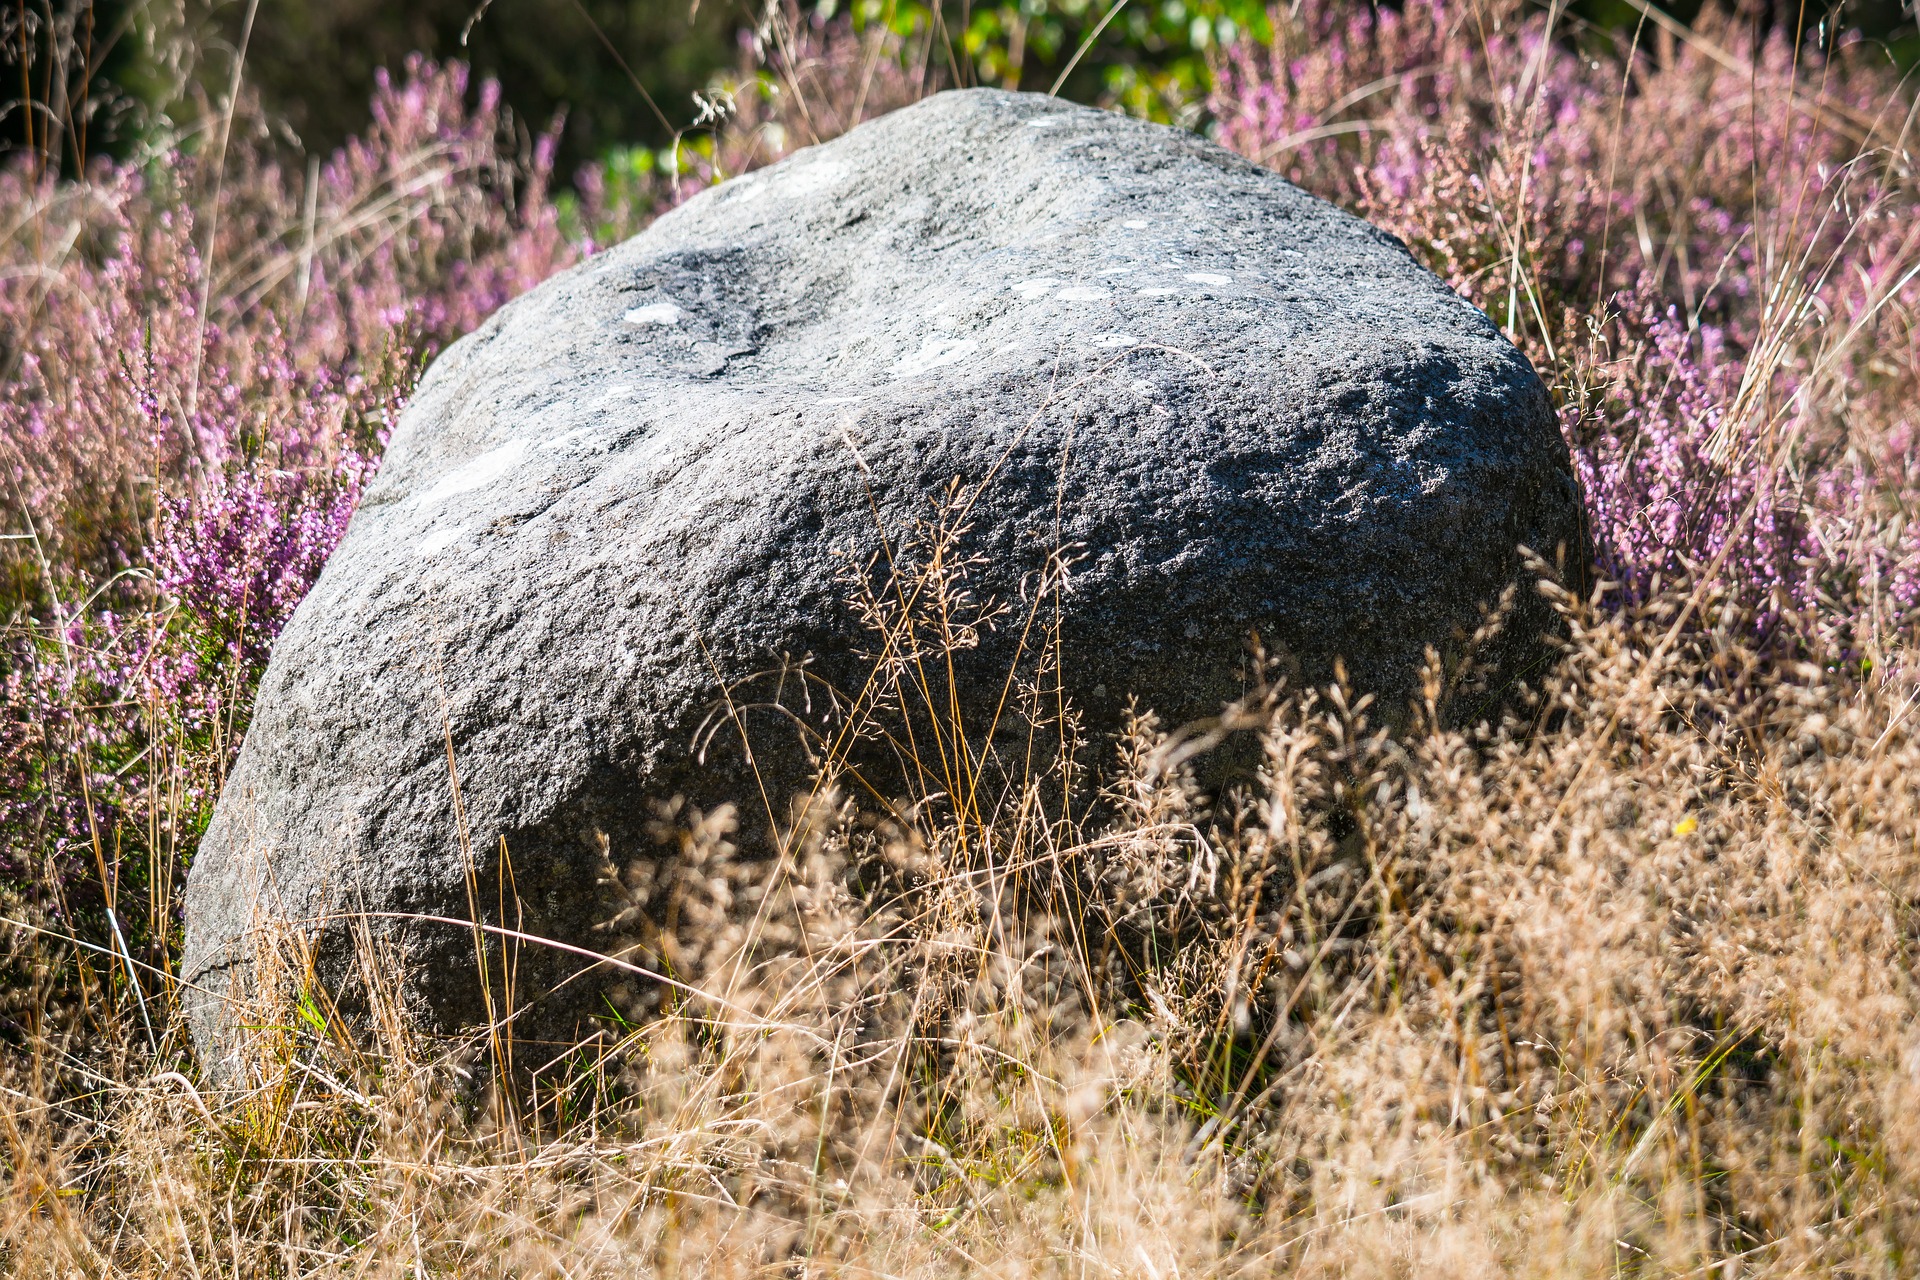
(625, 72)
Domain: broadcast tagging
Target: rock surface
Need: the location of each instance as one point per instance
(1238, 408)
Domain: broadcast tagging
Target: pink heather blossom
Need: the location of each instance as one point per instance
(1715, 277)
(194, 396)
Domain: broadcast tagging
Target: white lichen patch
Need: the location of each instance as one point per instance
(439, 540)
(1156, 291)
(1135, 224)
(1084, 293)
(483, 470)
(566, 439)
(806, 179)
(1115, 340)
(745, 188)
(935, 353)
(1037, 287)
(1208, 277)
(654, 313)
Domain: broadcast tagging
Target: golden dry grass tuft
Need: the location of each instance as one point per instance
(1619, 984)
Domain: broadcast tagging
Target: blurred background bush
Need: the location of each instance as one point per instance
(631, 73)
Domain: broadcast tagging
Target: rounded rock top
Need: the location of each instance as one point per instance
(614, 550)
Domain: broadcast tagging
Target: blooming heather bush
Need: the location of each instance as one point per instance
(201, 361)
(1708, 247)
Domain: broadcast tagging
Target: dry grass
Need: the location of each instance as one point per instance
(1619, 984)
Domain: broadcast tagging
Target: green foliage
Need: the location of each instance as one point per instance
(1148, 55)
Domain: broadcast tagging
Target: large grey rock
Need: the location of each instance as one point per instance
(1242, 409)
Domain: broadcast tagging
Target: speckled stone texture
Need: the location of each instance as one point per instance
(1242, 409)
